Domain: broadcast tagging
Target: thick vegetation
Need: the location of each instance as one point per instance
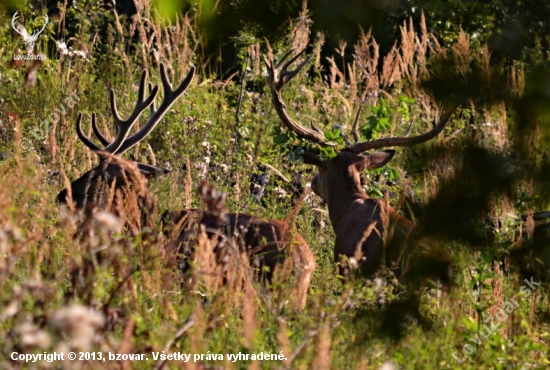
(81, 282)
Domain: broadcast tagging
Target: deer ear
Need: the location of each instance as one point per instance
(375, 160)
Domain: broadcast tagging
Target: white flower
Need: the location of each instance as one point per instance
(280, 192)
(108, 221)
(388, 366)
(78, 322)
(31, 336)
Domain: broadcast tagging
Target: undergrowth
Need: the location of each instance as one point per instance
(105, 290)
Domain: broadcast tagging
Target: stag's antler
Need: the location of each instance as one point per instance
(121, 143)
(280, 76)
(99, 134)
(170, 96)
(123, 126)
(404, 140)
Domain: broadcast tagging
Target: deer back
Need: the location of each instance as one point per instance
(266, 242)
(269, 244)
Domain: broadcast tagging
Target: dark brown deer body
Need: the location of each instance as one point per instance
(368, 231)
(371, 226)
(357, 220)
(267, 241)
(94, 187)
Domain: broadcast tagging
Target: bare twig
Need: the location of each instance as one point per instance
(188, 324)
(355, 130)
(277, 172)
(240, 103)
(299, 348)
(188, 184)
(537, 216)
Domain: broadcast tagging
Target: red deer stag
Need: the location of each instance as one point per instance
(364, 227)
(265, 240)
(92, 187)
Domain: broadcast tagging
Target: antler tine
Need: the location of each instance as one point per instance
(81, 135)
(276, 82)
(98, 133)
(406, 141)
(170, 96)
(409, 130)
(286, 56)
(153, 106)
(124, 126)
(288, 75)
(355, 129)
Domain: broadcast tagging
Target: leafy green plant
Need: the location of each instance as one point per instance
(382, 115)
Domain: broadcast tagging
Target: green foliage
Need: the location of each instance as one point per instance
(378, 122)
(334, 135)
(289, 143)
(383, 114)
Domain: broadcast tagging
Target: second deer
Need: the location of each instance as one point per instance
(368, 231)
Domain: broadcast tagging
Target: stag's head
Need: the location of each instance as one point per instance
(341, 172)
(112, 172)
(346, 165)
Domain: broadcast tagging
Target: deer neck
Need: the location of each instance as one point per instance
(342, 200)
